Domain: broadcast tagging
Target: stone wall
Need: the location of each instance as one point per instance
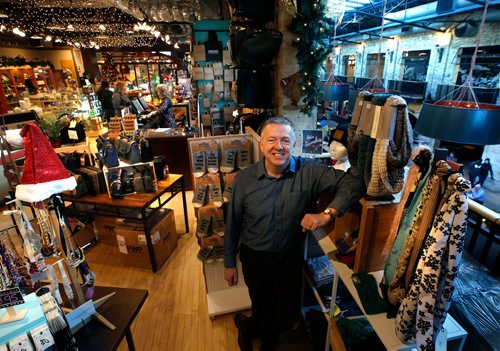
(438, 72)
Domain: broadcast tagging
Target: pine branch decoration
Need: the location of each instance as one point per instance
(313, 30)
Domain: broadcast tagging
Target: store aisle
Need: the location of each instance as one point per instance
(175, 315)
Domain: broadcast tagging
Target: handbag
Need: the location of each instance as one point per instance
(73, 133)
(138, 183)
(115, 183)
(257, 9)
(107, 152)
(146, 151)
(148, 180)
(81, 189)
(213, 48)
(255, 87)
(75, 160)
(128, 150)
(250, 47)
(161, 167)
(127, 179)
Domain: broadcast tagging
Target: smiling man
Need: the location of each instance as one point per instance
(273, 205)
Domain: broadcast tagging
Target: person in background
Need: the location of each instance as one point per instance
(474, 171)
(477, 194)
(272, 208)
(30, 86)
(165, 113)
(452, 157)
(484, 170)
(120, 98)
(105, 96)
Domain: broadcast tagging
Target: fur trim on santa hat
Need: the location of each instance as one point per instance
(43, 172)
(42, 191)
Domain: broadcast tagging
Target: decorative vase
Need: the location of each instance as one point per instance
(55, 142)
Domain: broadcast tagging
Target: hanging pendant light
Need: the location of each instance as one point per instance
(460, 121)
(459, 117)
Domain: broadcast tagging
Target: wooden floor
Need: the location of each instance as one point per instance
(175, 315)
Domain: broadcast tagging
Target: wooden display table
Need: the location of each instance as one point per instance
(104, 205)
(120, 310)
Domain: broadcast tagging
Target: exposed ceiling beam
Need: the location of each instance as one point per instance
(471, 8)
(405, 23)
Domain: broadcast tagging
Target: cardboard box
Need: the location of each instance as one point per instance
(127, 234)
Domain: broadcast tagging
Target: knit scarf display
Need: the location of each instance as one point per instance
(391, 156)
(421, 223)
(418, 171)
(424, 309)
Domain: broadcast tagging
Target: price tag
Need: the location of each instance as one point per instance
(72, 134)
(122, 245)
(21, 343)
(72, 124)
(42, 338)
(11, 297)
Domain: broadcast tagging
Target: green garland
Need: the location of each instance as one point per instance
(313, 31)
(19, 61)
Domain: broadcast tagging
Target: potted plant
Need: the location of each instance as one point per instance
(52, 124)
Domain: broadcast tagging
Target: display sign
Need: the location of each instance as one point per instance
(312, 142)
(11, 297)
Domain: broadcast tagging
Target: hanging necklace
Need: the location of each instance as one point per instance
(50, 246)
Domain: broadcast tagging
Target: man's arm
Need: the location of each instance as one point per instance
(232, 235)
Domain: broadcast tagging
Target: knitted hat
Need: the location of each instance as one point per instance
(339, 134)
(43, 174)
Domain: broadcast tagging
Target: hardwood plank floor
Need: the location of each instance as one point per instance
(175, 315)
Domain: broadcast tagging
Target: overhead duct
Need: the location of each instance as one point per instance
(466, 29)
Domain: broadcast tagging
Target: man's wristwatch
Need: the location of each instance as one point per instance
(330, 213)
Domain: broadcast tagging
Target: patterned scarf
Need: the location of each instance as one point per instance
(419, 228)
(424, 309)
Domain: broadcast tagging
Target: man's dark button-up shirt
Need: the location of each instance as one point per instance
(265, 212)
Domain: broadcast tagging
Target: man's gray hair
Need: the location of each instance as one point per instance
(278, 120)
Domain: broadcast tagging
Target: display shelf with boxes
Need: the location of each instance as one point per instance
(215, 162)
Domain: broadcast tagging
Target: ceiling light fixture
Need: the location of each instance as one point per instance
(176, 45)
(48, 38)
(102, 27)
(36, 37)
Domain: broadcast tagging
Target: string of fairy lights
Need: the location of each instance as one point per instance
(85, 27)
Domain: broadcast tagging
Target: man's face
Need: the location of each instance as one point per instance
(276, 144)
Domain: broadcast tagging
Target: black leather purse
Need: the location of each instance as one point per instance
(213, 47)
(107, 152)
(255, 9)
(255, 87)
(251, 47)
(146, 152)
(73, 133)
(128, 150)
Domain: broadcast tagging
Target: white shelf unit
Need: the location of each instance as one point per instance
(384, 327)
(222, 298)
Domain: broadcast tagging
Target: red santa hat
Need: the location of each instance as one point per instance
(43, 173)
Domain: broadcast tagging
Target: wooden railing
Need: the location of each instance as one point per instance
(483, 236)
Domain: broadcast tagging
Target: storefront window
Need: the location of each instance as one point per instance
(349, 65)
(375, 65)
(415, 65)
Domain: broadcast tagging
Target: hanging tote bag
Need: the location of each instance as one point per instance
(252, 47)
(213, 48)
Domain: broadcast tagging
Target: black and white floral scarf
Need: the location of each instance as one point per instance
(424, 309)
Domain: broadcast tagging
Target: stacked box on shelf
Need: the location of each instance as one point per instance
(115, 127)
(130, 124)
